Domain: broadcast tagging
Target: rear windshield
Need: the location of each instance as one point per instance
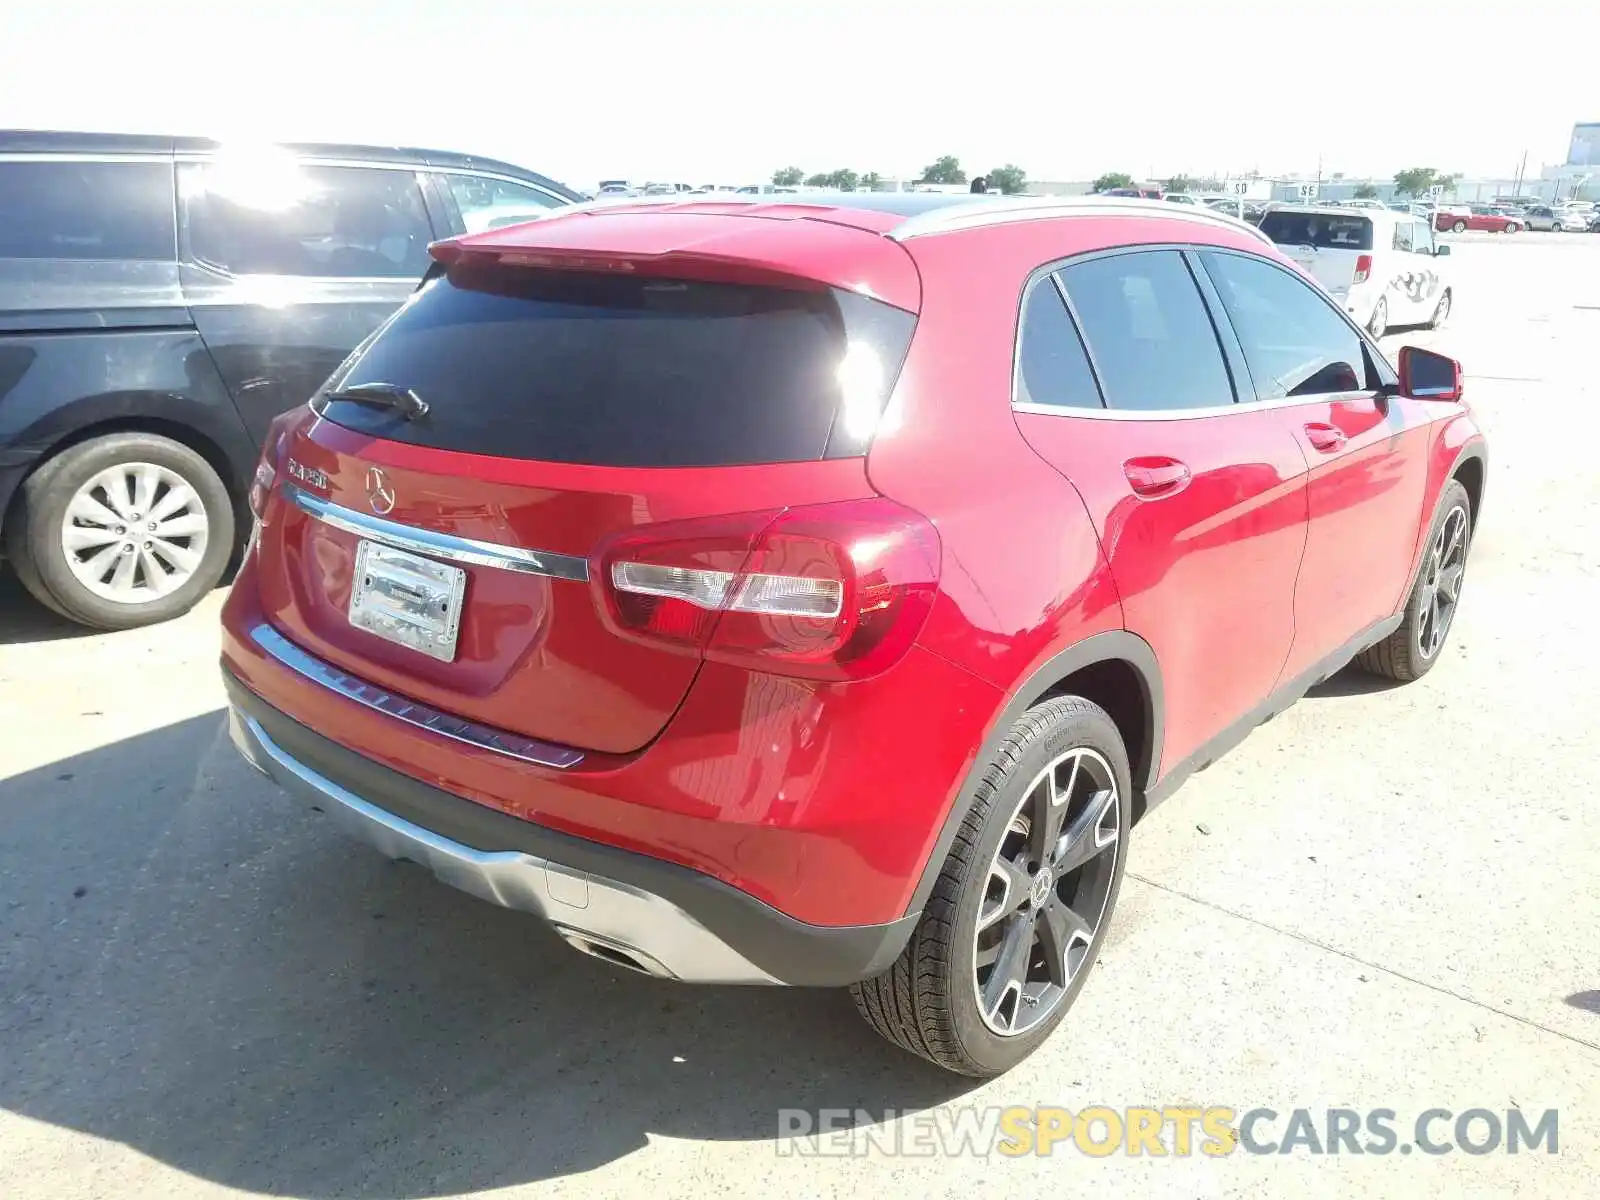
(1323, 230)
(617, 370)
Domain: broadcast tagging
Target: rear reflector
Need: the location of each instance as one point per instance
(830, 591)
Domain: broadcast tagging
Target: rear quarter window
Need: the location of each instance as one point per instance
(618, 370)
(87, 211)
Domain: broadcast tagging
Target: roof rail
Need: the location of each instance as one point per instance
(985, 211)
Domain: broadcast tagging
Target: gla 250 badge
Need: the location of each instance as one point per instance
(308, 475)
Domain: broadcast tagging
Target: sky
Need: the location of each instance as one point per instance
(712, 91)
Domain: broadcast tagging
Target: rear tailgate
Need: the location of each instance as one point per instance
(565, 408)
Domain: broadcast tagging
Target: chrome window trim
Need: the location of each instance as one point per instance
(34, 156)
(306, 160)
(411, 712)
(1191, 414)
(449, 547)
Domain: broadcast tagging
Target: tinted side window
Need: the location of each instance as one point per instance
(84, 210)
(282, 218)
(1052, 367)
(1294, 343)
(491, 203)
(1149, 331)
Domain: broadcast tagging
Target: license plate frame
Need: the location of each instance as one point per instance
(407, 599)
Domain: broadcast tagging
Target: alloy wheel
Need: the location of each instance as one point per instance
(1048, 888)
(1441, 584)
(1379, 324)
(1442, 313)
(135, 532)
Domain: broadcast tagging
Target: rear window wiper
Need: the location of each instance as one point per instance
(382, 395)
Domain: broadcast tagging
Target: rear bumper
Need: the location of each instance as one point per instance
(629, 908)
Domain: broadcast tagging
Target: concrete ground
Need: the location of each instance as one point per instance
(1386, 898)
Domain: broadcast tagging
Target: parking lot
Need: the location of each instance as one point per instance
(1388, 897)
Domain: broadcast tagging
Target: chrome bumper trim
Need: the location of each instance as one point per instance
(439, 545)
(512, 745)
(588, 911)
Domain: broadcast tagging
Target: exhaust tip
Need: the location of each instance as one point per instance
(614, 953)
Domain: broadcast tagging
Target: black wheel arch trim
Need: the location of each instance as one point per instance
(1112, 645)
(1475, 449)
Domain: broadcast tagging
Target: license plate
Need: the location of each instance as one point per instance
(407, 599)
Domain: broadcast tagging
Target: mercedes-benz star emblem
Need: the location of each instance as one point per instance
(380, 492)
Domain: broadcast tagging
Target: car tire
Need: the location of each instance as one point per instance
(1441, 311)
(171, 566)
(1378, 323)
(1459, 227)
(937, 1001)
(1410, 651)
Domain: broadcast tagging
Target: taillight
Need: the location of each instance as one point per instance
(1363, 268)
(828, 591)
(266, 475)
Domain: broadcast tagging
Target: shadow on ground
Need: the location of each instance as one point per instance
(200, 971)
(23, 619)
(1352, 681)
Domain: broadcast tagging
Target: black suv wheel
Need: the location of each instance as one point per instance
(123, 530)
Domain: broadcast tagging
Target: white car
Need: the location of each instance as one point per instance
(1384, 267)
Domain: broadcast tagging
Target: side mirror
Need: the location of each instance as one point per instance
(1440, 251)
(1425, 375)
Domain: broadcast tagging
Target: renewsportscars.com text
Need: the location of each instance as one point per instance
(1160, 1131)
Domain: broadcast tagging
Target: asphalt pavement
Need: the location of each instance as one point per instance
(1388, 897)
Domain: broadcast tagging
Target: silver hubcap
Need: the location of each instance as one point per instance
(1380, 320)
(1048, 888)
(134, 533)
(1441, 582)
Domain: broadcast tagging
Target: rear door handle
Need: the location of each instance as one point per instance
(1155, 477)
(1326, 438)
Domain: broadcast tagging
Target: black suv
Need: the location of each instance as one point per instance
(161, 300)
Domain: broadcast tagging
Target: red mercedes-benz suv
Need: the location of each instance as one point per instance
(817, 591)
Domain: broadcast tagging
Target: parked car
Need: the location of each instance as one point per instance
(161, 301)
(1383, 267)
(1140, 192)
(1480, 217)
(738, 663)
(1545, 219)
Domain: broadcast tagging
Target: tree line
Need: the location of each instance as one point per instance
(1413, 181)
(1009, 179)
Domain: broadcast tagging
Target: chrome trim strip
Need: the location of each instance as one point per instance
(587, 910)
(980, 213)
(1187, 414)
(411, 712)
(109, 156)
(439, 545)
